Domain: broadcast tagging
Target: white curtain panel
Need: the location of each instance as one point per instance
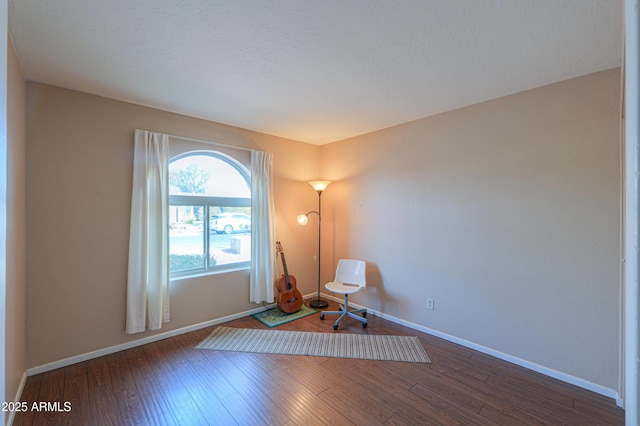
(263, 256)
(148, 280)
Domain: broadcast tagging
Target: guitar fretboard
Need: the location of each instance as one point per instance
(284, 265)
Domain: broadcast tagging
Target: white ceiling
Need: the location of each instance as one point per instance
(312, 70)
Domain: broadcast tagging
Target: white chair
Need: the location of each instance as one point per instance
(350, 278)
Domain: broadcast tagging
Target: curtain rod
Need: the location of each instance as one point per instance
(211, 143)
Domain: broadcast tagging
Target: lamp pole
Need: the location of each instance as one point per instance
(319, 186)
(319, 303)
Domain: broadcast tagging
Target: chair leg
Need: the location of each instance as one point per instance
(344, 312)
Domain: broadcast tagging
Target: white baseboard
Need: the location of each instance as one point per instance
(143, 341)
(585, 384)
(18, 397)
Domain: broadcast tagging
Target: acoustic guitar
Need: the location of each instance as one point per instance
(289, 298)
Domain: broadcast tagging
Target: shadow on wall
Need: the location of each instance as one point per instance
(376, 297)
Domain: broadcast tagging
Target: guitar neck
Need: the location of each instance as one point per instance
(284, 264)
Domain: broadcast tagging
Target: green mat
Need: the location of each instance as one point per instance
(275, 317)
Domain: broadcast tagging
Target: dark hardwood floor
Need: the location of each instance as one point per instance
(171, 383)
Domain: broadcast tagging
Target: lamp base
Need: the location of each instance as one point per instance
(318, 303)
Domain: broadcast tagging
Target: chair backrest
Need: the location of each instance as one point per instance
(351, 271)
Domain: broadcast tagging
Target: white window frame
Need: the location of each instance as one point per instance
(206, 202)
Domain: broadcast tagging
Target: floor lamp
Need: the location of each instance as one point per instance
(319, 186)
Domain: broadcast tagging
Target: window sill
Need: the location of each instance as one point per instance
(218, 271)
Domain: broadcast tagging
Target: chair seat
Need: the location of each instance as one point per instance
(338, 287)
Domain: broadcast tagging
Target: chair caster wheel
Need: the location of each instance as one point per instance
(364, 325)
(335, 326)
(322, 316)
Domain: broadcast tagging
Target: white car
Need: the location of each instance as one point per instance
(228, 223)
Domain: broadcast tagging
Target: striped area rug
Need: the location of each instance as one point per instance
(337, 345)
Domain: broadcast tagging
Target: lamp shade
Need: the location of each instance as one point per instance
(320, 185)
(303, 219)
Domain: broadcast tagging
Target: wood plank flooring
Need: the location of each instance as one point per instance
(171, 383)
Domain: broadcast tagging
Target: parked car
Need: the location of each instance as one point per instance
(228, 223)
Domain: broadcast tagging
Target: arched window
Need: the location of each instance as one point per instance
(210, 213)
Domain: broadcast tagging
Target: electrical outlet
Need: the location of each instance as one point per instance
(431, 304)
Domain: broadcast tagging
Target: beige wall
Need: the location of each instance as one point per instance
(16, 228)
(507, 213)
(79, 157)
